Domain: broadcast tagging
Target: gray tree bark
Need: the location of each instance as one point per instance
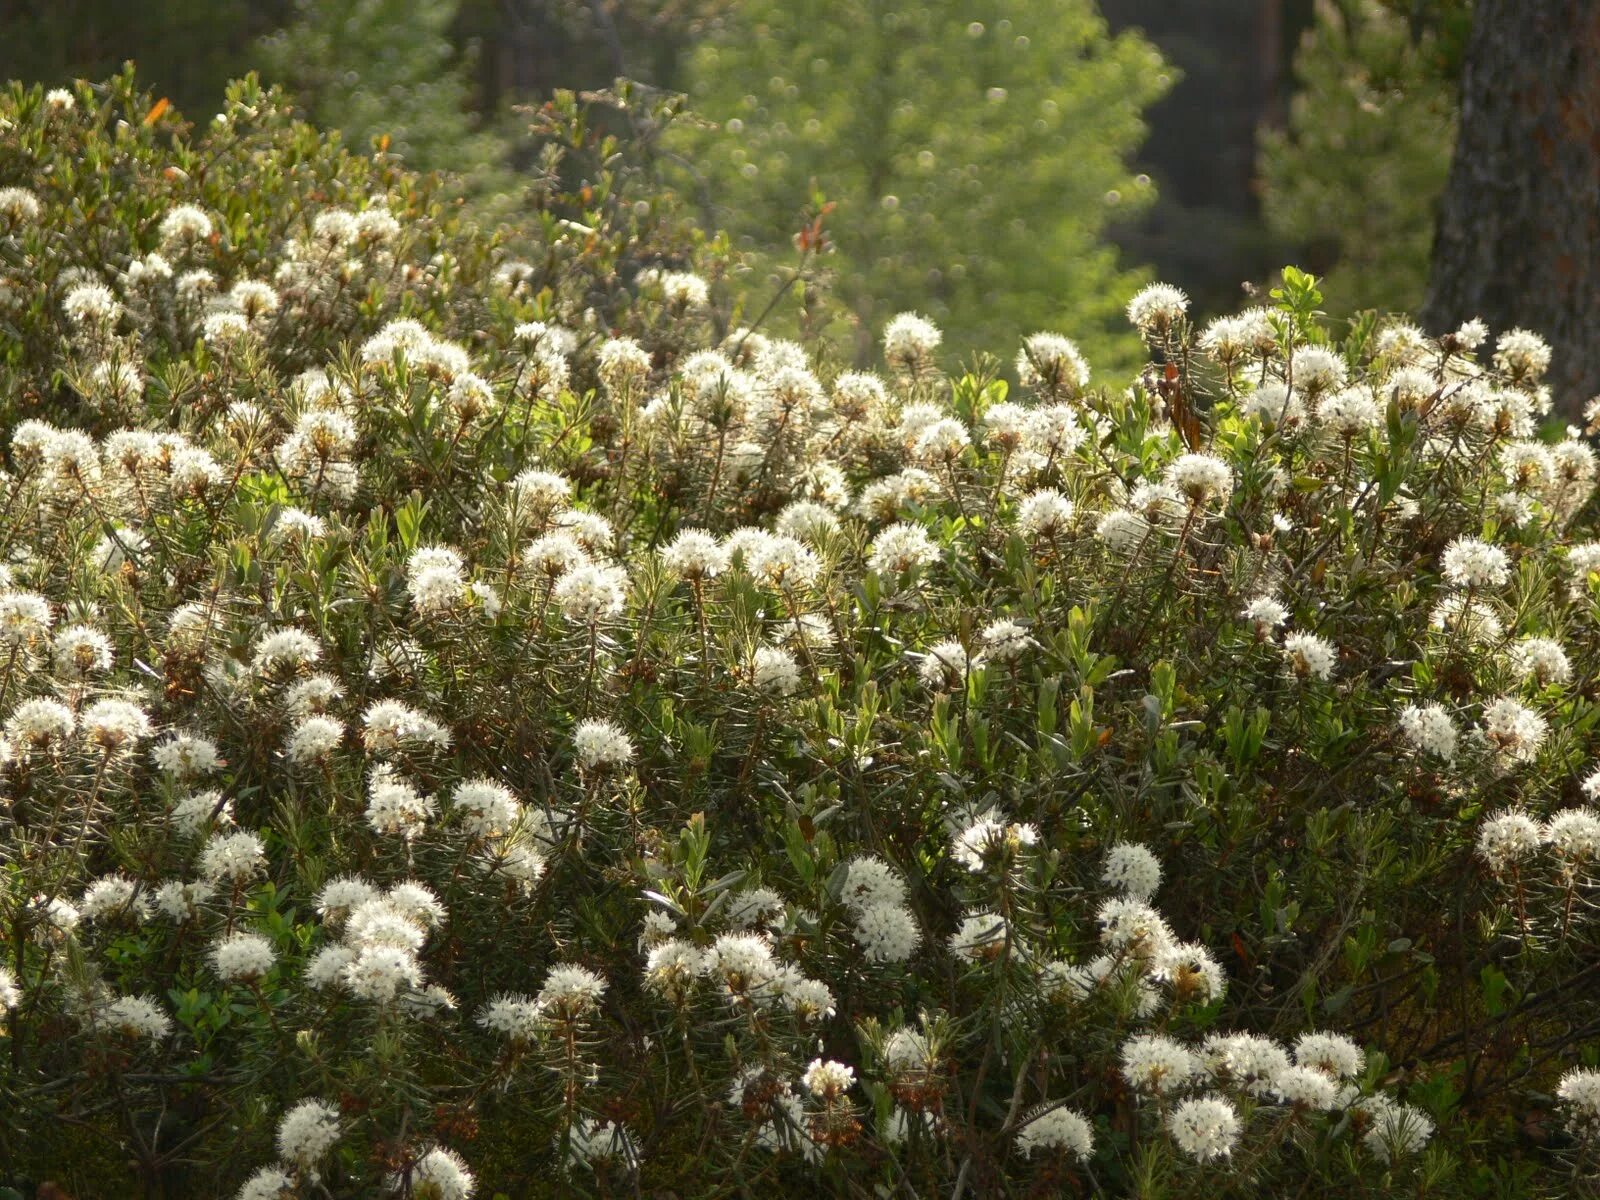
(1518, 239)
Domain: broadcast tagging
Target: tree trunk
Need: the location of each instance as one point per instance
(1518, 240)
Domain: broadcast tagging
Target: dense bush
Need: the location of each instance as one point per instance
(455, 731)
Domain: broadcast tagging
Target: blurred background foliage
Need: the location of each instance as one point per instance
(1354, 178)
(904, 118)
(1203, 143)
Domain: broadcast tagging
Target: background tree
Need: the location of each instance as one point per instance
(975, 152)
(1519, 228)
(532, 47)
(386, 68)
(1206, 232)
(1354, 180)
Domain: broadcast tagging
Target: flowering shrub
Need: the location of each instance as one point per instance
(453, 744)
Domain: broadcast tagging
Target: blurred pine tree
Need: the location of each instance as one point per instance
(975, 153)
(1354, 180)
(388, 68)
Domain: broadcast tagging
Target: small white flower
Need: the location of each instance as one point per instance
(1316, 370)
(744, 964)
(901, 548)
(307, 1132)
(1266, 614)
(1515, 731)
(1056, 1129)
(242, 957)
(887, 932)
(133, 1017)
(775, 671)
(114, 726)
(180, 901)
(390, 725)
(487, 809)
(1305, 1088)
(313, 739)
(395, 807)
(1508, 838)
(327, 966)
(1157, 308)
(602, 1143)
(988, 839)
(92, 304)
(77, 651)
(1523, 355)
(439, 1174)
(1134, 869)
(1470, 563)
(622, 364)
(10, 994)
(981, 937)
(285, 649)
(945, 666)
(808, 520)
(1130, 926)
(1202, 479)
(570, 992)
(941, 441)
(512, 1016)
(1205, 1128)
(1052, 365)
(381, 973)
(1044, 514)
(589, 592)
(40, 724)
(1004, 641)
(18, 205)
(1155, 1064)
(185, 755)
(1579, 1096)
(909, 341)
(1397, 1130)
(1430, 729)
(1574, 835)
(1541, 661)
(602, 744)
(672, 968)
(233, 858)
(1054, 430)
(695, 554)
(827, 1079)
(1247, 1061)
(199, 810)
(1332, 1053)
(113, 897)
(25, 617)
(1123, 529)
(870, 882)
(1350, 412)
(1308, 656)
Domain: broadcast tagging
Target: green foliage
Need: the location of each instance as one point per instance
(387, 69)
(972, 153)
(1357, 176)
